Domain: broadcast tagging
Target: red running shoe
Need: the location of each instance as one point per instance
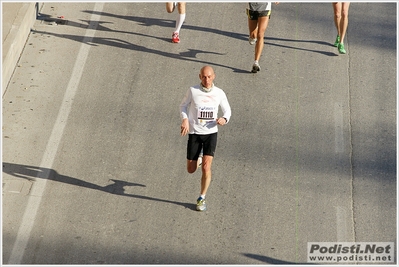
(175, 37)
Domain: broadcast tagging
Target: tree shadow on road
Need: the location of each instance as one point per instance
(117, 187)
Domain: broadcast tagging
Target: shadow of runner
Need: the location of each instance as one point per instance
(144, 21)
(115, 42)
(117, 187)
(167, 23)
(292, 41)
(270, 260)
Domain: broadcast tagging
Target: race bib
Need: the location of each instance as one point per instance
(206, 115)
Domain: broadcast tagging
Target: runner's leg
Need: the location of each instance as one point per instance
(262, 26)
(170, 7)
(181, 16)
(344, 20)
(206, 173)
(253, 28)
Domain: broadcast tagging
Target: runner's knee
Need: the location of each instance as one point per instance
(191, 166)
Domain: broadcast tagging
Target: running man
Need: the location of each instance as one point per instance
(181, 7)
(199, 114)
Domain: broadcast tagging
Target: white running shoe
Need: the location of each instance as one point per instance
(199, 162)
(201, 205)
(252, 41)
(255, 68)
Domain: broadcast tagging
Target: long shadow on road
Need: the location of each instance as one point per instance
(188, 56)
(115, 42)
(268, 260)
(148, 22)
(117, 187)
(292, 41)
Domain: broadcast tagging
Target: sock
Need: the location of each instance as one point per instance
(256, 62)
(179, 21)
(202, 196)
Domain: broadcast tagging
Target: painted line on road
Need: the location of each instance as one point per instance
(339, 128)
(342, 229)
(39, 186)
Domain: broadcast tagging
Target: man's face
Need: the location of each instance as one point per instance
(207, 76)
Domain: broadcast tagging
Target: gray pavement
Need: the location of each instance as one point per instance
(94, 167)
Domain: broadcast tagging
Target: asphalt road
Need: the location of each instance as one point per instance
(94, 166)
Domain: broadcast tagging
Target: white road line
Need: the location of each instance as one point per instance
(39, 186)
(339, 128)
(342, 217)
(345, 230)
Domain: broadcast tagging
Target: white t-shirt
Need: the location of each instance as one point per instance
(201, 109)
(261, 6)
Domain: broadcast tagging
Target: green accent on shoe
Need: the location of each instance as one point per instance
(201, 205)
(341, 49)
(337, 41)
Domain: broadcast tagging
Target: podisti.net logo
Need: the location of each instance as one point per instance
(350, 252)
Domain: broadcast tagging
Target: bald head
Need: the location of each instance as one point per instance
(207, 75)
(206, 69)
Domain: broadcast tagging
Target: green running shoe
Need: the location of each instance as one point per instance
(337, 41)
(201, 205)
(341, 49)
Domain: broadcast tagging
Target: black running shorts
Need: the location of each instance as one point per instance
(254, 15)
(196, 142)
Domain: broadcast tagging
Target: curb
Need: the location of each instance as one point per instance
(15, 35)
